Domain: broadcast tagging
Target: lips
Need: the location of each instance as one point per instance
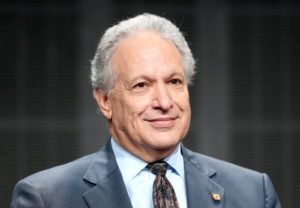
(162, 122)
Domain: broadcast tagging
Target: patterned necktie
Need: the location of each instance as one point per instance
(163, 194)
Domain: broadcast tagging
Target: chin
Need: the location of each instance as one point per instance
(166, 143)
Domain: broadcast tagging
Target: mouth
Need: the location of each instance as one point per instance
(166, 122)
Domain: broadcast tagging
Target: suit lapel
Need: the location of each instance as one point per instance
(199, 184)
(109, 189)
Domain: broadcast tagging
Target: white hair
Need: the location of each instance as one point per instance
(102, 75)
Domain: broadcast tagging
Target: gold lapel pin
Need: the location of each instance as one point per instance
(216, 196)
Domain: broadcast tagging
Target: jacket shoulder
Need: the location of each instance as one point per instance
(67, 171)
(242, 185)
(211, 164)
(54, 186)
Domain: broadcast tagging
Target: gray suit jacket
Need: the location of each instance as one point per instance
(96, 181)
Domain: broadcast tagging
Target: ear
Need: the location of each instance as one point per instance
(103, 103)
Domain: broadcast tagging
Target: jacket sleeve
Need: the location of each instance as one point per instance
(271, 198)
(25, 195)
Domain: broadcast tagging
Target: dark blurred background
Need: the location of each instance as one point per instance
(245, 98)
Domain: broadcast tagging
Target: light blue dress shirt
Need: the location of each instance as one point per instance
(139, 180)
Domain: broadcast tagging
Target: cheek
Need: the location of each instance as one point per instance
(128, 111)
(183, 102)
(118, 111)
(140, 104)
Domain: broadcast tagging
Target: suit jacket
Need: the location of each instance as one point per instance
(96, 181)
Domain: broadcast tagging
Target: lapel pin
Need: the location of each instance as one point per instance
(216, 196)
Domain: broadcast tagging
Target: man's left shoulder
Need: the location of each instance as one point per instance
(241, 185)
(230, 176)
(220, 167)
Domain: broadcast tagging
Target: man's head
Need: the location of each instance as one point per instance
(141, 73)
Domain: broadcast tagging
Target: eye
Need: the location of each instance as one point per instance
(140, 85)
(176, 81)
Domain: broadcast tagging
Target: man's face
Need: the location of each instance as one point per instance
(148, 110)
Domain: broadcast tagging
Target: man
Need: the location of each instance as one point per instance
(140, 75)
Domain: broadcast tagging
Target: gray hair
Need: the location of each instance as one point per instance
(102, 75)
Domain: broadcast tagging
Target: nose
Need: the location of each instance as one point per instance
(162, 98)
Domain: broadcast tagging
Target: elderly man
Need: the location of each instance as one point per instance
(140, 74)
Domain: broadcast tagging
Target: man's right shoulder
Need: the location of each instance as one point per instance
(54, 186)
(62, 172)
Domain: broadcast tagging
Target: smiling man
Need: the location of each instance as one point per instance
(148, 110)
(140, 74)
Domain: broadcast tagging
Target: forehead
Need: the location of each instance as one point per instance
(145, 49)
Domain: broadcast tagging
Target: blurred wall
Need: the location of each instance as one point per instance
(245, 98)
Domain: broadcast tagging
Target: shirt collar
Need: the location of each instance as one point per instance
(130, 165)
(175, 160)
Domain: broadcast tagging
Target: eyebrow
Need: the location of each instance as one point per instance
(149, 78)
(173, 74)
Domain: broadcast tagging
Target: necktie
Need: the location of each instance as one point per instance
(163, 194)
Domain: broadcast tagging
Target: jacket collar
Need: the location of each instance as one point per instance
(202, 190)
(109, 189)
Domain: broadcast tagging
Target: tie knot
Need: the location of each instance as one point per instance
(158, 168)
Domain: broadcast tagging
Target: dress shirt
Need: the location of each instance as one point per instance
(139, 180)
